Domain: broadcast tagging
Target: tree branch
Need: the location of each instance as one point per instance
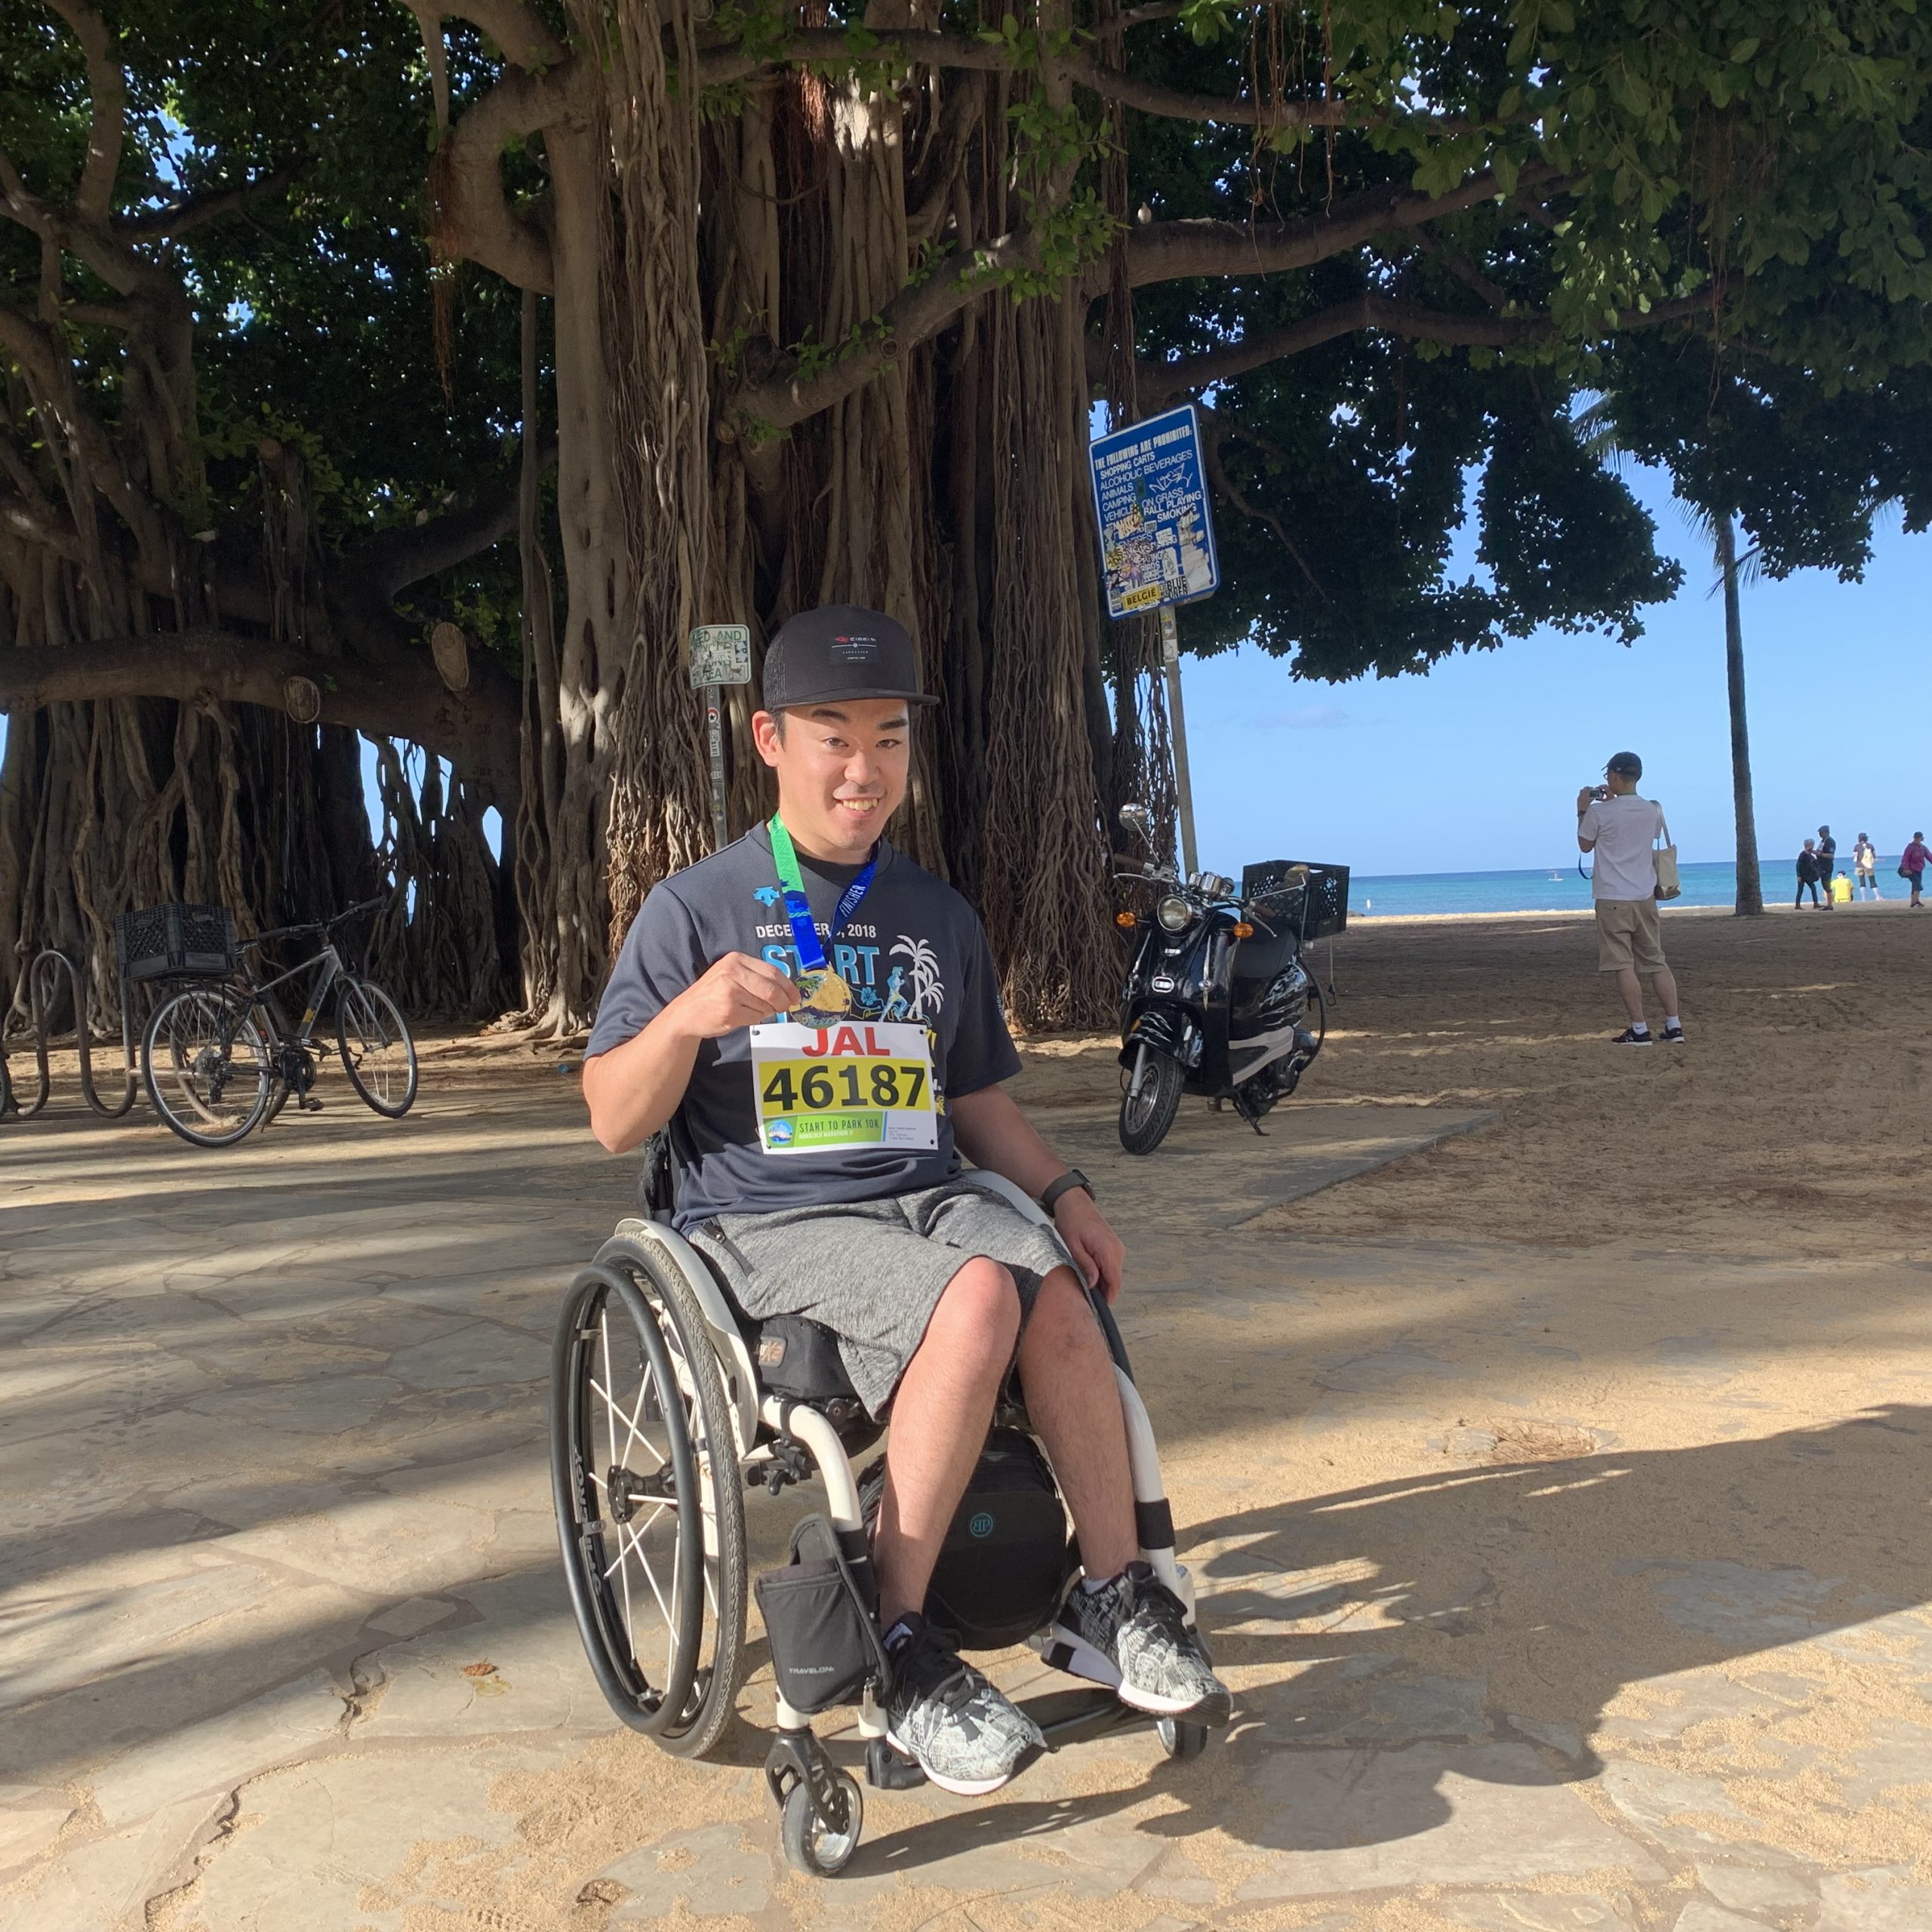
(403, 697)
(471, 216)
(391, 560)
(518, 29)
(1169, 250)
(107, 91)
(1406, 319)
(161, 224)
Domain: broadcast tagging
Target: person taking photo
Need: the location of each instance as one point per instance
(1623, 829)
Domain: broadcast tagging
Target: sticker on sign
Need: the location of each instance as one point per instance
(1150, 502)
(721, 654)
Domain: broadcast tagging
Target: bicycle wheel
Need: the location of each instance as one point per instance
(206, 1066)
(377, 1053)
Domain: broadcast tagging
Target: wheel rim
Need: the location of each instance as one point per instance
(376, 1047)
(1144, 1096)
(636, 1470)
(692, 1410)
(209, 1066)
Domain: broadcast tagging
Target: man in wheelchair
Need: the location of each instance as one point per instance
(821, 1170)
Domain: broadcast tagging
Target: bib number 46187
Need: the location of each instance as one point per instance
(823, 1088)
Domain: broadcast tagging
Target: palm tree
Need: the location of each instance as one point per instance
(1750, 887)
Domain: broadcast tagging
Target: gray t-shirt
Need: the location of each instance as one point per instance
(913, 951)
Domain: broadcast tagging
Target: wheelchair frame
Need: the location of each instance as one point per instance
(774, 1440)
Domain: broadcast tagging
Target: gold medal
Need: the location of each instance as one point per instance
(823, 998)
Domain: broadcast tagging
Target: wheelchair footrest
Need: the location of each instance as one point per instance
(887, 1770)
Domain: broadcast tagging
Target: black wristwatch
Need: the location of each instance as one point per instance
(1073, 1178)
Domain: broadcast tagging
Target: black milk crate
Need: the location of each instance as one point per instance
(172, 942)
(1321, 909)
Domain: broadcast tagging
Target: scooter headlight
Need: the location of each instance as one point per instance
(1176, 914)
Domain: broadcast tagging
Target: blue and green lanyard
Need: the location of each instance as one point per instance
(797, 908)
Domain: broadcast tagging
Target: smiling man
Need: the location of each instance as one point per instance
(820, 1167)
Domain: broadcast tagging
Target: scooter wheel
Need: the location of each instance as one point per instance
(1148, 1107)
(811, 1845)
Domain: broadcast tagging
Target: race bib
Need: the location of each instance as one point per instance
(819, 1089)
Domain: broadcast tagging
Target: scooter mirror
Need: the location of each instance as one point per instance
(1137, 818)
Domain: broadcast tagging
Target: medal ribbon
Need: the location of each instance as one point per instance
(797, 908)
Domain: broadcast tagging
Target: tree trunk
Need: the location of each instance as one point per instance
(1750, 888)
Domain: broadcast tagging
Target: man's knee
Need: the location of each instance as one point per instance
(1062, 1322)
(980, 1311)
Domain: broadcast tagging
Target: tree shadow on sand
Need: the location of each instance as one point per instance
(1475, 1624)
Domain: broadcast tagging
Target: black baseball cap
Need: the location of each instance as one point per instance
(1628, 763)
(842, 651)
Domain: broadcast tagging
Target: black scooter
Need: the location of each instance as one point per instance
(1218, 1002)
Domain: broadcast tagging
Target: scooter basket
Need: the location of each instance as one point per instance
(820, 1616)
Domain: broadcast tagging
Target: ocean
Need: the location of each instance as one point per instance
(1562, 888)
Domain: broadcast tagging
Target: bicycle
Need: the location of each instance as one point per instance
(218, 1064)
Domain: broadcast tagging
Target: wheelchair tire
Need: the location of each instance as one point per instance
(811, 1846)
(1180, 1739)
(610, 1370)
(708, 1421)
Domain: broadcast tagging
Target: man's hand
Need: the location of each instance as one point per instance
(1097, 1250)
(737, 991)
(1584, 799)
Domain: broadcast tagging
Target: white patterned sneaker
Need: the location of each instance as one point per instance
(966, 1736)
(1133, 1634)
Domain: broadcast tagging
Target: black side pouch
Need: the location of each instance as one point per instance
(819, 1614)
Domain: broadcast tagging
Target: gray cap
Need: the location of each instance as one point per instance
(839, 653)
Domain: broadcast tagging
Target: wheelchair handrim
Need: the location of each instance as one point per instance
(607, 1609)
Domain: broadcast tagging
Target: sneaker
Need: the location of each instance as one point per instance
(1133, 1634)
(1673, 1036)
(1630, 1037)
(966, 1736)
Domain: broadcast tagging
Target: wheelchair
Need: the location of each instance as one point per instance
(669, 1405)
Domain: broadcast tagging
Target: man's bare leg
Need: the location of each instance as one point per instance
(940, 1414)
(1632, 988)
(1665, 983)
(1073, 1400)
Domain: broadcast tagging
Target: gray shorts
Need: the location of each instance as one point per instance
(873, 1271)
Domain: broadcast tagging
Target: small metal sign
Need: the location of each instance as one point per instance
(1150, 500)
(721, 654)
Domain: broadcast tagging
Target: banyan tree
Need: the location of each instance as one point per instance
(317, 430)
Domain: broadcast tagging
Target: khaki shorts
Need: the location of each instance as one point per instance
(1628, 935)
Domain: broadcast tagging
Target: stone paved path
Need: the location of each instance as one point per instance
(1547, 1606)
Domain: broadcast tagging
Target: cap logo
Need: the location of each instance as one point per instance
(854, 650)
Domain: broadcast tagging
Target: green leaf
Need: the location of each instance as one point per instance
(1745, 49)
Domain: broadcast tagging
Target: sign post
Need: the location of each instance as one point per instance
(721, 654)
(1157, 549)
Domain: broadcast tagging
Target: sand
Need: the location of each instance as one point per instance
(1575, 1465)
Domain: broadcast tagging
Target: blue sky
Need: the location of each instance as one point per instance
(1475, 766)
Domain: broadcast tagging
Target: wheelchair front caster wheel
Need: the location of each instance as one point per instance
(813, 1845)
(1180, 1739)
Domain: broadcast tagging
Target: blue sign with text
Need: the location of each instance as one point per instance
(1150, 500)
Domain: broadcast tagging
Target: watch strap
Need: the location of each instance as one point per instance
(1071, 1179)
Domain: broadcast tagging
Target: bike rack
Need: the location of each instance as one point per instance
(42, 978)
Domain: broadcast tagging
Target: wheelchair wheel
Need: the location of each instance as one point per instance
(1180, 1739)
(813, 1845)
(708, 1421)
(624, 1480)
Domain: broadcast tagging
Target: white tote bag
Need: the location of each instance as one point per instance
(1669, 886)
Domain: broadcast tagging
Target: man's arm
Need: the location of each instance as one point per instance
(634, 1089)
(1585, 799)
(991, 1132)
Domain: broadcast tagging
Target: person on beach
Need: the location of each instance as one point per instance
(1828, 863)
(1865, 865)
(1911, 867)
(1621, 828)
(1807, 873)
